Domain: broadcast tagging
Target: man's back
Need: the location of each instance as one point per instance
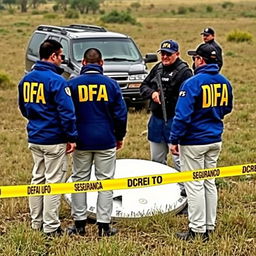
(44, 101)
(208, 95)
(100, 109)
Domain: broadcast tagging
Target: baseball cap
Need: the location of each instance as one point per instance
(205, 50)
(208, 31)
(169, 46)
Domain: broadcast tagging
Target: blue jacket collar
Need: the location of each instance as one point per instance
(208, 68)
(91, 67)
(45, 65)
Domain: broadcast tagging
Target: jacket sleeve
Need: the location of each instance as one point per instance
(119, 114)
(147, 87)
(184, 110)
(65, 107)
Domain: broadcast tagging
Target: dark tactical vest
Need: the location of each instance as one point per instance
(171, 82)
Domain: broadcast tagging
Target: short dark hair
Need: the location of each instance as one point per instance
(92, 55)
(48, 47)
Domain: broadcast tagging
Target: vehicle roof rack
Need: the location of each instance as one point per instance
(88, 27)
(71, 28)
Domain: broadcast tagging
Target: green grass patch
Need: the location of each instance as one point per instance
(5, 82)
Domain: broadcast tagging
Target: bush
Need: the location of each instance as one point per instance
(72, 14)
(151, 6)
(135, 5)
(209, 8)
(55, 7)
(5, 82)
(239, 36)
(192, 9)
(227, 5)
(182, 10)
(11, 11)
(119, 17)
(248, 14)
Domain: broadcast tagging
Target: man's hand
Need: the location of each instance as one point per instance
(156, 97)
(70, 147)
(119, 144)
(174, 149)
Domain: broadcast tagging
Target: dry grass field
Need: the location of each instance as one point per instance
(236, 223)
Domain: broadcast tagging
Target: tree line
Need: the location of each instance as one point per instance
(83, 6)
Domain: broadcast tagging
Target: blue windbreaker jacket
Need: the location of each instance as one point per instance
(44, 99)
(100, 109)
(204, 100)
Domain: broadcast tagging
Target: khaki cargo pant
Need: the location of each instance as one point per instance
(50, 166)
(202, 195)
(105, 164)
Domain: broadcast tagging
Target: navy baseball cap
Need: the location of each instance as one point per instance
(207, 32)
(206, 51)
(169, 46)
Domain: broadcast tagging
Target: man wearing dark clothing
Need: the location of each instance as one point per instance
(172, 72)
(208, 35)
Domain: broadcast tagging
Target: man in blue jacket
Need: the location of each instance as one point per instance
(101, 122)
(204, 100)
(45, 100)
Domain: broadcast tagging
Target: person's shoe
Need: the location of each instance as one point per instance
(191, 235)
(183, 192)
(78, 228)
(106, 230)
(56, 233)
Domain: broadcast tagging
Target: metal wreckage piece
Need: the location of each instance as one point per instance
(139, 202)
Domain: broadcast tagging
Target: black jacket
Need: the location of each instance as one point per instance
(172, 77)
(218, 51)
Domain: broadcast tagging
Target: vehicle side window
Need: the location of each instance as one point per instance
(64, 44)
(54, 38)
(35, 42)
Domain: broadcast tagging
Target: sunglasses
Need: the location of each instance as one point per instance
(62, 57)
(195, 57)
(166, 53)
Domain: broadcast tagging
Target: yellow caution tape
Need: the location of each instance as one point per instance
(125, 183)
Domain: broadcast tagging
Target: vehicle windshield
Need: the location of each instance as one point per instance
(112, 49)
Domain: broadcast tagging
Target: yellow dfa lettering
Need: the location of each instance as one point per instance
(214, 95)
(92, 92)
(82, 93)
(33, 92)
(206, 96)
(102, 94)
(224, 99)
(40, 94)
(166, 45)
(26, 86)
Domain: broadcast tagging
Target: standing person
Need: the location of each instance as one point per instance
(208, 35)
(171, 73)
(44, 99)
(101, 121)
(197, 127)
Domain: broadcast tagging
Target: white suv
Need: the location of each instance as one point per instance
(122, 58)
